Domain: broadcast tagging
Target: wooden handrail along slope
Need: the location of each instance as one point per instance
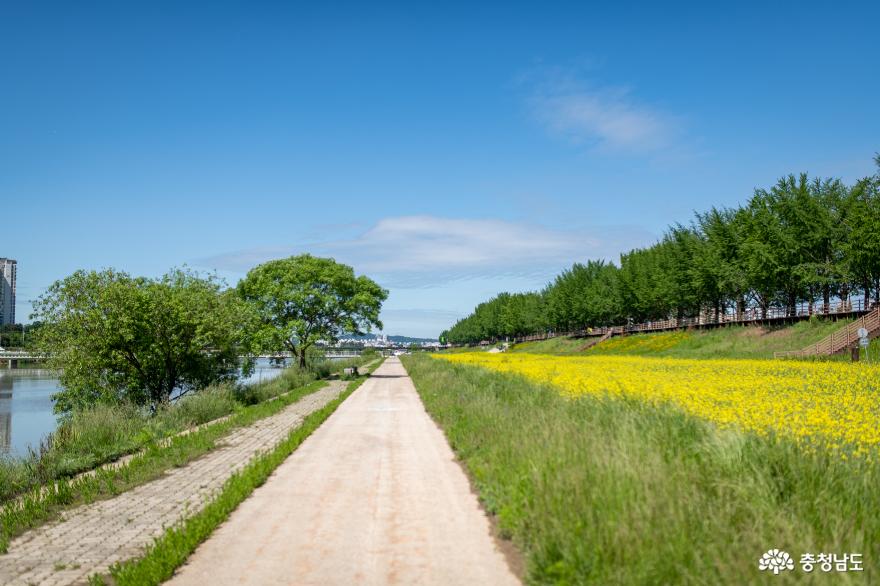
(596, 341)
(840, 340)
(752, 315)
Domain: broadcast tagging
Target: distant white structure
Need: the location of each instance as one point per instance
(380, 341)
(8, 269)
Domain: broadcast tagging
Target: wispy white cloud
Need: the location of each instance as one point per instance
(608, 118)
(611, 119)
(423, 251)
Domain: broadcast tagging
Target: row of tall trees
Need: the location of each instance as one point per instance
(803, 241)
(117, 338)
(16, 335)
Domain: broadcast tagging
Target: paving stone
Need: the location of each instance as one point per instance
(91, 538)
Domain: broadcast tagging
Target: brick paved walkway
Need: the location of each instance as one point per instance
(91, 538)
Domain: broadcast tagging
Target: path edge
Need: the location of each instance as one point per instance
(515, 558)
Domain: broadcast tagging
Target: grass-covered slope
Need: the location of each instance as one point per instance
(729, 342)
(620, 491)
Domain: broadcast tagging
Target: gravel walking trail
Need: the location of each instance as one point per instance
(91, 538)
(374, 496)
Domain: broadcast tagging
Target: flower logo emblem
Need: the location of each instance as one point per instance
(776, 560)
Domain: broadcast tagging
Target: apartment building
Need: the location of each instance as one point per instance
(8, 269)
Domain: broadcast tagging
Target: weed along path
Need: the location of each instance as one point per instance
(90, 538)
(374, 496)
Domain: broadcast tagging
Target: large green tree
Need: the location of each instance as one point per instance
(304, 299)
(861, 248)
(120, 338)
(582, 296)
(720, 265)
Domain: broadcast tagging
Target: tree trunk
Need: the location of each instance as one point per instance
(826, 299)
(172, 382)
(302, 358)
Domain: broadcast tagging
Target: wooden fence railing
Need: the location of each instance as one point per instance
(840, 340)
(750, 315)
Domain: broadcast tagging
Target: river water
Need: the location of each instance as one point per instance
(26, 414)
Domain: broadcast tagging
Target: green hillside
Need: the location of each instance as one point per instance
(729, 342)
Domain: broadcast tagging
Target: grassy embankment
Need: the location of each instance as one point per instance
(41, 486)
(729, 342)
(620, 491)
(174, 546)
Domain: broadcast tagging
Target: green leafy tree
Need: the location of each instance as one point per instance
(808, 214)
(646, 287)
(861, 247)
(679, 252)
(119, 338)
(584, 295)
(304, 299)
(764, 257)
(720, 269)
(824, 222)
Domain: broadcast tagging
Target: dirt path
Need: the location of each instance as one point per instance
(91, 538)
(374, 496)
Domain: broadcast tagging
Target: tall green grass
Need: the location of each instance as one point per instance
(614, 491)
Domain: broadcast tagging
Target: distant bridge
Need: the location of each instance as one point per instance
(11, 357)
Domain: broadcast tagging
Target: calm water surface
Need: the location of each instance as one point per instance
(26, 414)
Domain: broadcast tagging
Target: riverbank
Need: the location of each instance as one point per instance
(91, 538)
(101, 434)
(48, 501)
(27, 414)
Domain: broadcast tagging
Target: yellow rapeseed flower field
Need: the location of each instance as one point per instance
(835, 403)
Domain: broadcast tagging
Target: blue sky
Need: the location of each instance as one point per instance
(451, 152)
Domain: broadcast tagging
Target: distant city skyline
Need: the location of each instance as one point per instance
(449, 152)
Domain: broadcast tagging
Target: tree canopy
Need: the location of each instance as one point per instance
(120, 338)
(303, 299)
(803, 240)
